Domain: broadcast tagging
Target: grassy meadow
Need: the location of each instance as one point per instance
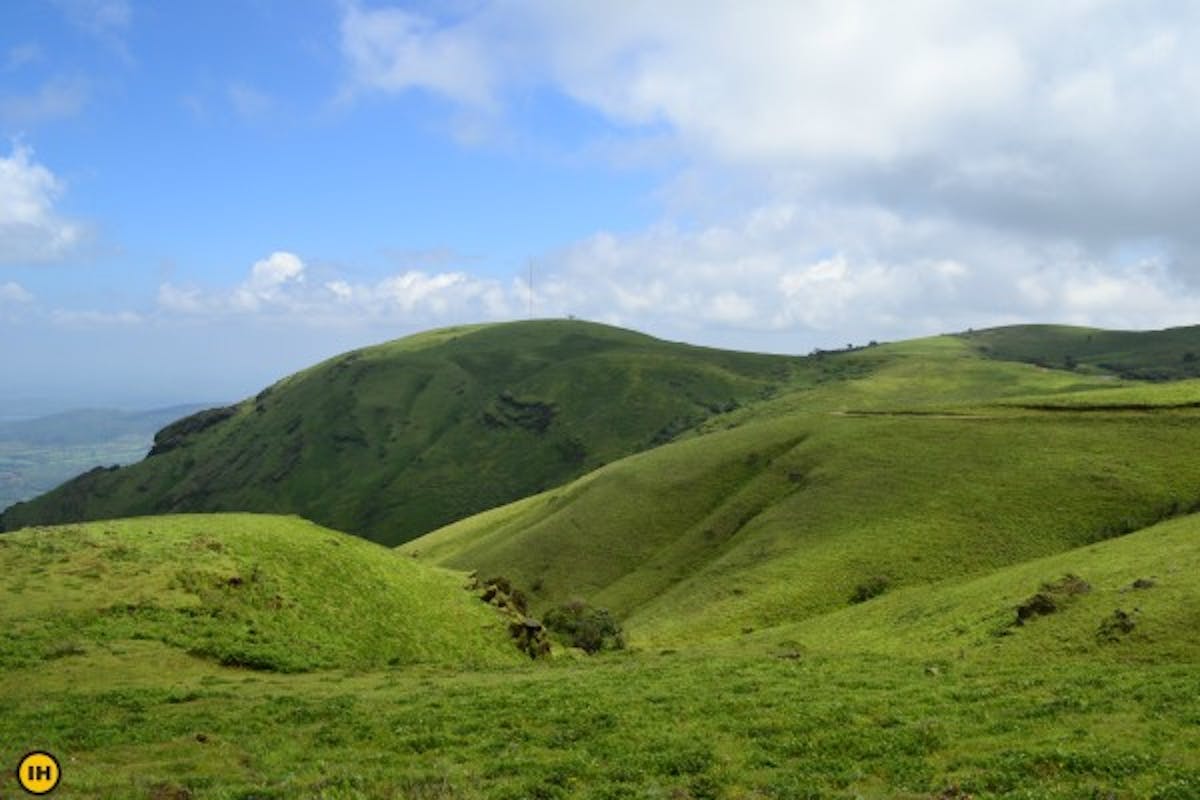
(918, 694)
(942, 569)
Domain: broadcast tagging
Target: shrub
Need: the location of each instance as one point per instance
(871, 587)
(1117, 625)
(1052, 597)
(580, 625)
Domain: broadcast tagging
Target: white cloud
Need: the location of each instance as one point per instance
(269, 282)
(393, 50)
(757, 280)
(14, 293)
(277, 286)
(874, 274)
(31, 231)
(885, 169)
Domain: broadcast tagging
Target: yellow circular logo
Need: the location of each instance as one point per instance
(39, 773)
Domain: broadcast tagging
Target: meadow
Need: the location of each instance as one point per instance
(932, 692)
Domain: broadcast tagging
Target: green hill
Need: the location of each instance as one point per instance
(395, 440)
(904, 571)
(246, 590)
(1141, 355)
(832, 493)
(1134, 598)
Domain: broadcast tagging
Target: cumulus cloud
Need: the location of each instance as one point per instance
(825, 276)
(758, 280)
(955, 162)
(31, 231)
(278, 286)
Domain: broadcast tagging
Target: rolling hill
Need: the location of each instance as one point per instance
(395, 440)
(935, 465)
(242, 590)
(1168, 354)
(914, 570)
(1133, 598)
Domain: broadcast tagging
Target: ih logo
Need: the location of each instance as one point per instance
(39, 773)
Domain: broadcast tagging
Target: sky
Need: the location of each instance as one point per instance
(198, 198)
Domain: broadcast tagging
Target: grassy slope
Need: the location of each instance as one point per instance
(1147, 355)
(149, 726)
(783, 516)
(973, 618)
(906, 696)
(269, 592)
(909, 695)
(395, 440)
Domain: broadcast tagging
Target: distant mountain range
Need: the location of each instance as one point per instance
(38, 454)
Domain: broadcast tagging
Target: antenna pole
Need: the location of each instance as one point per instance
(531, 288)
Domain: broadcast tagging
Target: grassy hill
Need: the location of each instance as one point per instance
(395, 440)
(1133, 598)
(826, 494)
(246, 590)
(1168, 354)
(927, 693)
(907, 571)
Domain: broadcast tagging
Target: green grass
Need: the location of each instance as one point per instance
(909, 695)
(1168, 354)
(1130, 397)
(1149, 575)
(241, 589)
(393, 441)
(777, 521)
(819, 570)
(153, 724)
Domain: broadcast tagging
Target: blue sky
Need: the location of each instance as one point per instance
(198, 198)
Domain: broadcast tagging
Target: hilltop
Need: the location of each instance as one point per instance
(245, 590)
(395, 440)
